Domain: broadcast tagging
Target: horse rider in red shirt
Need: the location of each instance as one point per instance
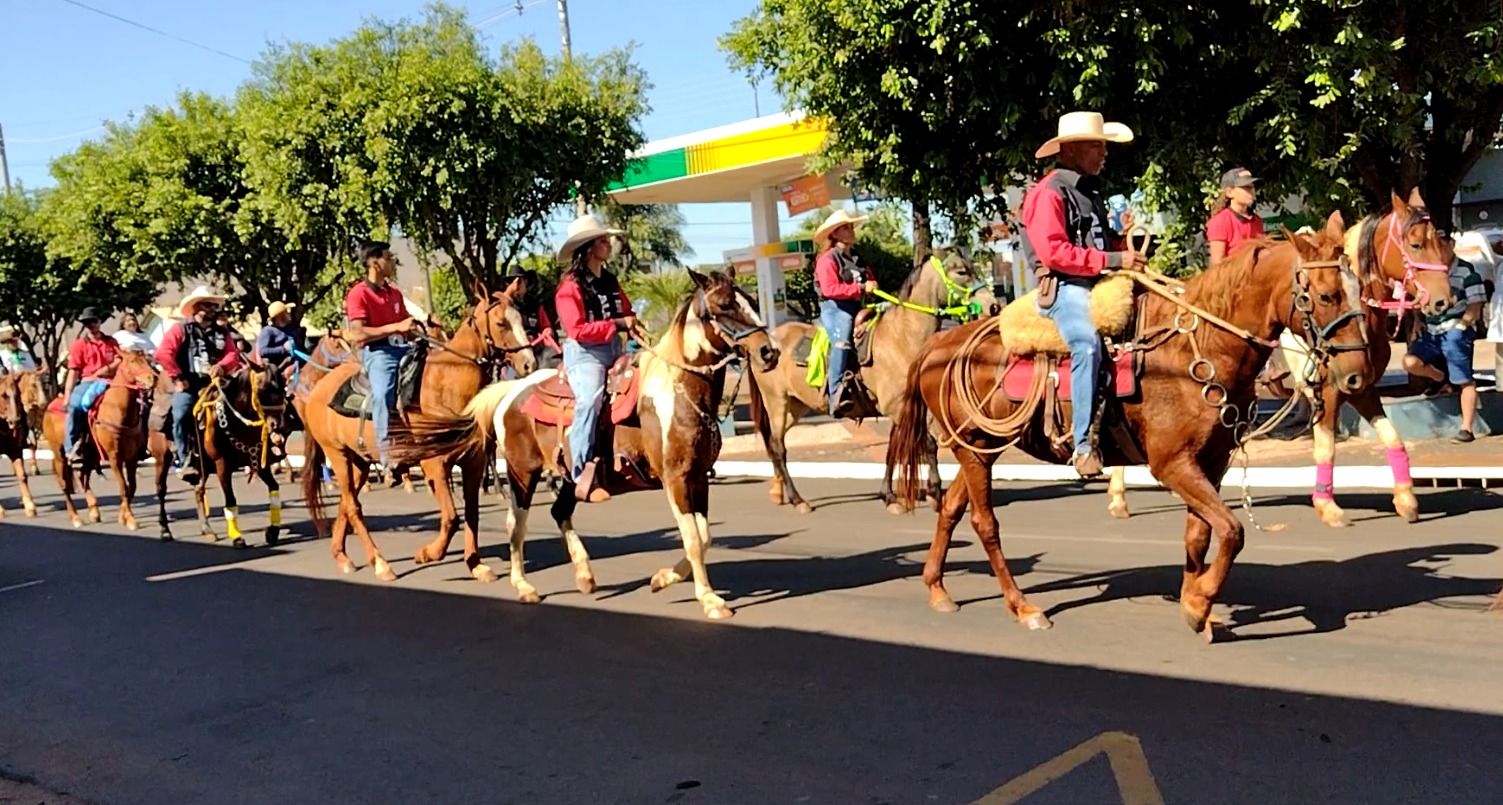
(379, 325)
(1068, 240)
(841, 281)
(1236, 222)
(92, 360)
(195, 351)
(594, 312)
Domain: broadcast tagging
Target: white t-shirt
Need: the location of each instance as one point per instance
(133, 342)
(16, 359)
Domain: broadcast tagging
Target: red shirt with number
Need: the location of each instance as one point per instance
(376, 305)
(1233, 229)
(87, 356)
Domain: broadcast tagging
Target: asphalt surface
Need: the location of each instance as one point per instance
(1363, 669)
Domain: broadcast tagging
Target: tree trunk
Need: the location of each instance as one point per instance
(923, 244)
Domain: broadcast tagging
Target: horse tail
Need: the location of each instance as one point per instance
(758, 409)
(313, 473)
(430, 436)
(910, 439)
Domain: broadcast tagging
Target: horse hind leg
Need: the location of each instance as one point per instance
(1116, 491)
(28, 503)
(1370, 407)
(976, 471)
(951, 508)
(349, 504)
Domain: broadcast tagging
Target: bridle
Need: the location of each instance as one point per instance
(493, 352)
(960, 303)
(1401, 300)
(1322, 338)
(730, 334)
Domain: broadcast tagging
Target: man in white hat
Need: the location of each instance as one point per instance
(194, 351)
(594, 312)
(13, 356)
(92, 360)
(1068, 240)
(840, 280)
(277, 340)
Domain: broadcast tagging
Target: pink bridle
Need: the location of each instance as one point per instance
(1400, 299)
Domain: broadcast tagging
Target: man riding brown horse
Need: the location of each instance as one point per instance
(194, 351)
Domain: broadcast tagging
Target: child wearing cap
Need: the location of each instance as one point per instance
(1235, 223)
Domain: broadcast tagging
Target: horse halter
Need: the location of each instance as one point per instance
(1401, 300)
(960, 303)
(735, 334)
(492, 349)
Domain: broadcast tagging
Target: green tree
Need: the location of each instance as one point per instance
(41, 295)
(414, 125)
(654, 233)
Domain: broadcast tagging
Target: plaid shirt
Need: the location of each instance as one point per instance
(1467, 289)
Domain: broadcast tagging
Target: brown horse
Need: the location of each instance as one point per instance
(238, 420)
(1196, 384)
(15, 432)
(35, 395)
(115, 438)
(781, 396)
(674, 432)
(1398, 246)
(455, 372)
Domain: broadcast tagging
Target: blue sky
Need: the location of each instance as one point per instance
(67, 69)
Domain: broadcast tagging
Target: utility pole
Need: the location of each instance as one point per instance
(563, 35)
(5, 165)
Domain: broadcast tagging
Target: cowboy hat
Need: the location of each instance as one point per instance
(198, 295)
(276, 309)
(1078, 127)
(584, 229)
(89, 314)
(7, 332)
(836, 220)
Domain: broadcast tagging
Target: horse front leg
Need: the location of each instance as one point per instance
(127, 487)
(471, 474)
(85, 480)
(1208, 515)
(163, 469)
(274, 505)
(1323, 498)
(27, 502)
(1116, 491)
(64, 472)
(688, 499)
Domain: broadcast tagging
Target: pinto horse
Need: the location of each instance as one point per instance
(1196, 383)
(1397, 248)
(936, 290)
(455, 372)
(15, 433)
(239, 426)
(116, 438)
(674, 432)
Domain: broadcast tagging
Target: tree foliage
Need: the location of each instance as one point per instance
(654, 233)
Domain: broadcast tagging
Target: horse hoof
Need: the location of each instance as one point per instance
(529, 597)
(1215, 631)
(1409, 513)
(131, 526)
(1119, 511)
(165, 537)
(273, 535)
(1036, 622)
(237, 543)
(422, 558)
(718, 612)
(662, 580)
(77, 523)
(31, 511)
(385, 573)
(346, 566)
(209, 535)
(896, 508)
(940, 601)
(483, 573)
(803, 507)
(586, 584)
(96, 517)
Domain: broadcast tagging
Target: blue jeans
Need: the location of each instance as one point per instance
(838, 318)
(1071, 312)
(83, 396)
(585, 367)
(381, 360)
(182, 425)
(1450, 352)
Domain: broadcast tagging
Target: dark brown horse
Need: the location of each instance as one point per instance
(1197, 385)
(1398, 246)
(15, 431)
(674, 433)
(115, 438)
(238, 420)
(455, 372)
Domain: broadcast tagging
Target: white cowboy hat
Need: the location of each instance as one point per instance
(277, 308)
(200, 294)
(584, 229)
(1078, 127)
(836, 220)
(7, 332)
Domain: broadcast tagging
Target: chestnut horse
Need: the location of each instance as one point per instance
(116, 437)
(780, 397)
(675, 432)
(455, 372)
(239, 422)
(1397, 247)
(15, 432)
(1196, 385)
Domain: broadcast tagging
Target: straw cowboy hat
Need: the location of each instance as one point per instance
(7, 332)
(277, 308)
(584, 229)
(198, 295)
(1078, 127)
(836, 220)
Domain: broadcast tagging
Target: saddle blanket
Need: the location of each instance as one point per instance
(1018, 377)
(552, 401)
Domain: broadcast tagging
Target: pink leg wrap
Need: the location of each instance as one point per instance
(1398, 461)
(1324, 473)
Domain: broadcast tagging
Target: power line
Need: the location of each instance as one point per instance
(58, 137)
(515, 11)
(157, 31)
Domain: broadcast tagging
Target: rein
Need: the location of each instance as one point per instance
(958, 304)
(221, 405)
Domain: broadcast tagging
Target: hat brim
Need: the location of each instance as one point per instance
(185, 308)
(1110, 133)
(822, 234)
(1249, 182)
(566, 251)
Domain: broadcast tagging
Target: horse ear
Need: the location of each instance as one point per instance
(514, 288)
(1415, 200)
(1399, 206)
(700, 281)
(1336, 227)
(482, 293)
(730, 274)
(1300, 244)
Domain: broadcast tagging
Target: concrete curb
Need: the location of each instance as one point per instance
(1347, 477)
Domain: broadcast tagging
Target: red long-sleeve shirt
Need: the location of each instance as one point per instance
(1047, 221)
(174, 343)
(831, 285)
(577, 322)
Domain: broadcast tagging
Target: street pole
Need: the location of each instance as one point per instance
(563, 34)
(5, 164)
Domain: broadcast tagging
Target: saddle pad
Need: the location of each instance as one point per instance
(1019, 377)
(552, 401)
(802, 350)
(1025, 331)
(352, 399)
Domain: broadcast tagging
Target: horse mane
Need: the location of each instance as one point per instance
(1367, 250)
(1216, 288)
(912, 280)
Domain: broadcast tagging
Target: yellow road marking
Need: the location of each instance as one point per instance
(1135, 783)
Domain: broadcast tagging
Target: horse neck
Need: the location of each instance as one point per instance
(908, 329)
(458, 352)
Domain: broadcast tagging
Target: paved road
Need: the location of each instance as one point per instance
(1365, 671)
